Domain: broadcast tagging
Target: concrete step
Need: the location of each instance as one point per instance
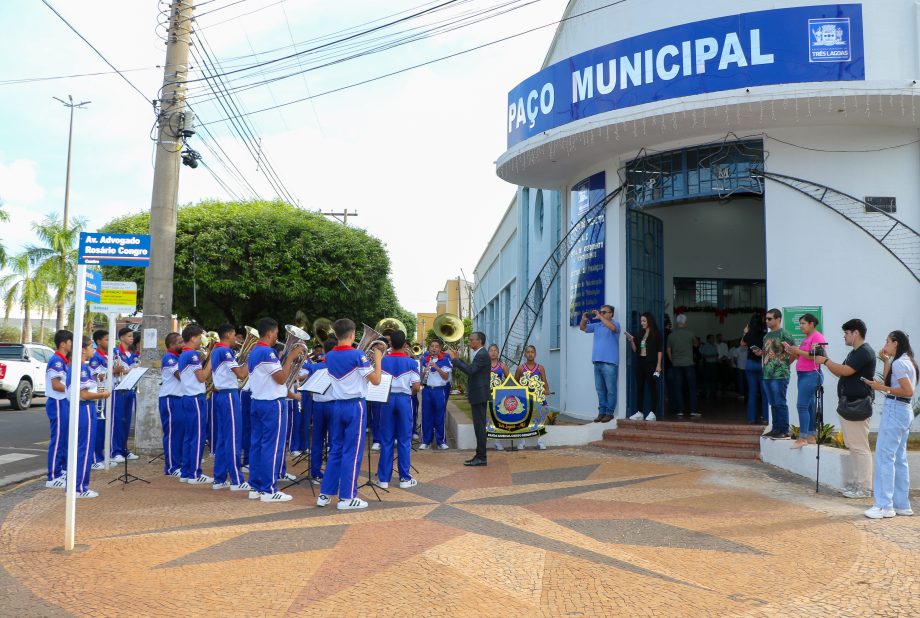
(691, 427)
(672, 437)
(665, 448)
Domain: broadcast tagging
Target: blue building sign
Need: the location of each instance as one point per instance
(783, 46)
(586, 261)
(93, 286)
(102, 249)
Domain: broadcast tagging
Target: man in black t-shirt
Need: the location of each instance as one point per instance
(859, 363)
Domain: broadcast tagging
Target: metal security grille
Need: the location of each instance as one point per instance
(900, 240)
(526, 317)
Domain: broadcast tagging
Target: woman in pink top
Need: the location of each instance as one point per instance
(809, 377)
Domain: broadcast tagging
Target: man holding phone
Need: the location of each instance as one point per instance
(605, 355)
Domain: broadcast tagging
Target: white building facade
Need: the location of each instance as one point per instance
(741, 142)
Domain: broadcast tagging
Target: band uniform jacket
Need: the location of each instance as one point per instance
(479, 370)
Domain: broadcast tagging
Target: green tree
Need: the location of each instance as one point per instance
(23, 287)
(4, 217)
(247, 260)
(56, 259)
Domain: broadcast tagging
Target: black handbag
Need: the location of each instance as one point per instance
(855, 409)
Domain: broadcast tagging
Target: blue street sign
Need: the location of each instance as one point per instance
(93, 286)
(102, 249)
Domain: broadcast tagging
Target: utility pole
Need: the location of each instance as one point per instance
(158, 279)
(344, 215)
(60, 296)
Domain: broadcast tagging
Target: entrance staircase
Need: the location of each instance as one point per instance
(684, 438)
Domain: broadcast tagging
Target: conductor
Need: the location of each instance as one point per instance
(478, 370)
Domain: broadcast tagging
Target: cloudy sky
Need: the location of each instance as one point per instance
(412, 153)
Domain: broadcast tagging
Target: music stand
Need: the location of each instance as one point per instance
(369, 482)
(128, 384)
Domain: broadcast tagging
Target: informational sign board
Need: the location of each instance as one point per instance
(586, 261)
(806, 44)
(93, 286)
(791, 317)
(101, 249)
(117, 297)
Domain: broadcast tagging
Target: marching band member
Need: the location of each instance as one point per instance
(99, 367)
(396, 413)
(86, 422)
(123, 402)
(350, 371)
(322, 417)
(170, 400)
(374, 407)
(193, 376)
(434, 396)
(228, 414)
(528, 371)
(497, 378)
(267, 378)
(57, 407)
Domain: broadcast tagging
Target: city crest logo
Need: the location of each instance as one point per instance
(829, 40)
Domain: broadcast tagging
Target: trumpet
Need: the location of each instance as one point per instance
(294, 344)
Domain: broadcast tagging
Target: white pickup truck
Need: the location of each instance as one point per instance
(22, 372)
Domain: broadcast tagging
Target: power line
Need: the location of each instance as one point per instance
(98, 53)
(429, 62)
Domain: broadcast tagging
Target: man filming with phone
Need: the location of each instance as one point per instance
(605, 355)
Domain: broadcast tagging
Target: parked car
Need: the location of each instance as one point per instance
(22, 372)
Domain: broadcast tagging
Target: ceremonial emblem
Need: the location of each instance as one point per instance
(829, 40)
(512, 414)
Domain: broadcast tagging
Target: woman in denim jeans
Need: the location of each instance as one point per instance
(753, 340)
(892, 481)
(809, 377)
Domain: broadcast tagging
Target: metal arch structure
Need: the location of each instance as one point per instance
(525, 320)
(899, 239)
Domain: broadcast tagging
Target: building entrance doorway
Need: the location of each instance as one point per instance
(696, 248)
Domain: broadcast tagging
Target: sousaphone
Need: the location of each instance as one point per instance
(448, 327)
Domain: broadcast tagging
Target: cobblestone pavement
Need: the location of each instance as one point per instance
(571, 532)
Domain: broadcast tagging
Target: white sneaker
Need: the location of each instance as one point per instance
(113, 463)
(223, 485)
(64, 474)
(278, 496)
(520, 446)
(375, 446)
(540, 444)
(857, 493)
(176, 472)
(89, 493)
(182, 479)
(254, 495)
(58, 483)
(201, 480)
(350, 505)
(382, 485)
(245, 469)
(132, 456)
(98, 466)
(443, 446)
(295, 453)
(877, 513)
(289, 477)
(498, 446)
(651, 417)
(423, 447)
(904, 512)
(323, 500)
(316, 481)
(415, 436)
(695, 415)
(412, 483)
(118, 459)
(244, 486)
(638, 416)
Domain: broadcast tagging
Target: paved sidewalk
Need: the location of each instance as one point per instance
(571, 532)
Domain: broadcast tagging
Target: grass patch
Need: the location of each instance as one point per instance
(462, 404)
(913, 441)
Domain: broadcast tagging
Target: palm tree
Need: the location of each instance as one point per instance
(24, 286)
(4, 217)
(56, 260)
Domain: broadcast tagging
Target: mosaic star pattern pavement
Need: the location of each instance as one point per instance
(556, 533)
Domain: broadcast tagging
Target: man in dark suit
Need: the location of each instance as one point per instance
(478, 392)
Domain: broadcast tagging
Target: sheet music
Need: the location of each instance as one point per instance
(381, 392)
(130, 380)
(318, 383)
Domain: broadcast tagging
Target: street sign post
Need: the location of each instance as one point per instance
(97, 249)
(93, 286)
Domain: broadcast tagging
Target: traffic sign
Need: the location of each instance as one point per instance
(117, 297)
(99, 248)
(93, 286)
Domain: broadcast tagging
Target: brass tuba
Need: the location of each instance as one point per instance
(416, 349)
(448, 327)
(390, 324)
(322, 328)
(252, 337)
(371, 339)
(296, 343)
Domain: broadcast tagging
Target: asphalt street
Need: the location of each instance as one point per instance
(23, 442)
